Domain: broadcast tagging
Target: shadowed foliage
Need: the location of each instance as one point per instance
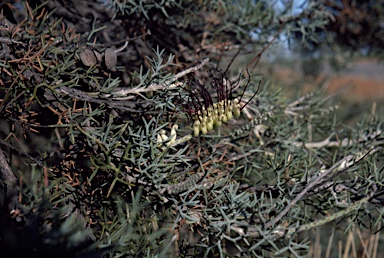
(131, 129)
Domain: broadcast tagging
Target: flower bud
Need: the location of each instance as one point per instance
(196, 128)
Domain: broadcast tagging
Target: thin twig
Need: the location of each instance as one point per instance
(306, 189)
(118, 42)
(376, 241)
(363, 244)
(21, 153)
(154, 86)
(341, 165)
(330, 242)
(335, 216)
(11, 41)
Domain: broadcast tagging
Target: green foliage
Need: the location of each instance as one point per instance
(354, 29)
(101, 138)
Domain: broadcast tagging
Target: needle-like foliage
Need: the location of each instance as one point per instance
(127, 129)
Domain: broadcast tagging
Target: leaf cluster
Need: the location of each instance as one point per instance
(93, 176)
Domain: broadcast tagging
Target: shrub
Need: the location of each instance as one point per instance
(133, 133)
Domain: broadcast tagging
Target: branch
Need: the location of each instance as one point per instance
(341, 165)
(8, 179)
(335, 216)
(122, 93)
(307, 188)
(118, 42)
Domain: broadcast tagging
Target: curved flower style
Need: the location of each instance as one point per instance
(206, 113)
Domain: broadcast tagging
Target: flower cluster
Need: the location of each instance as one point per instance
(207, 114)
(216, 114)
(163, 138)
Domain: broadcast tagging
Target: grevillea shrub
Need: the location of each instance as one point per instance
(144, 129)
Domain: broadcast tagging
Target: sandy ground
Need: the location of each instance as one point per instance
(362, 81)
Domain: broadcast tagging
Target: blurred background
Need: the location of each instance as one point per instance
(345, 59)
